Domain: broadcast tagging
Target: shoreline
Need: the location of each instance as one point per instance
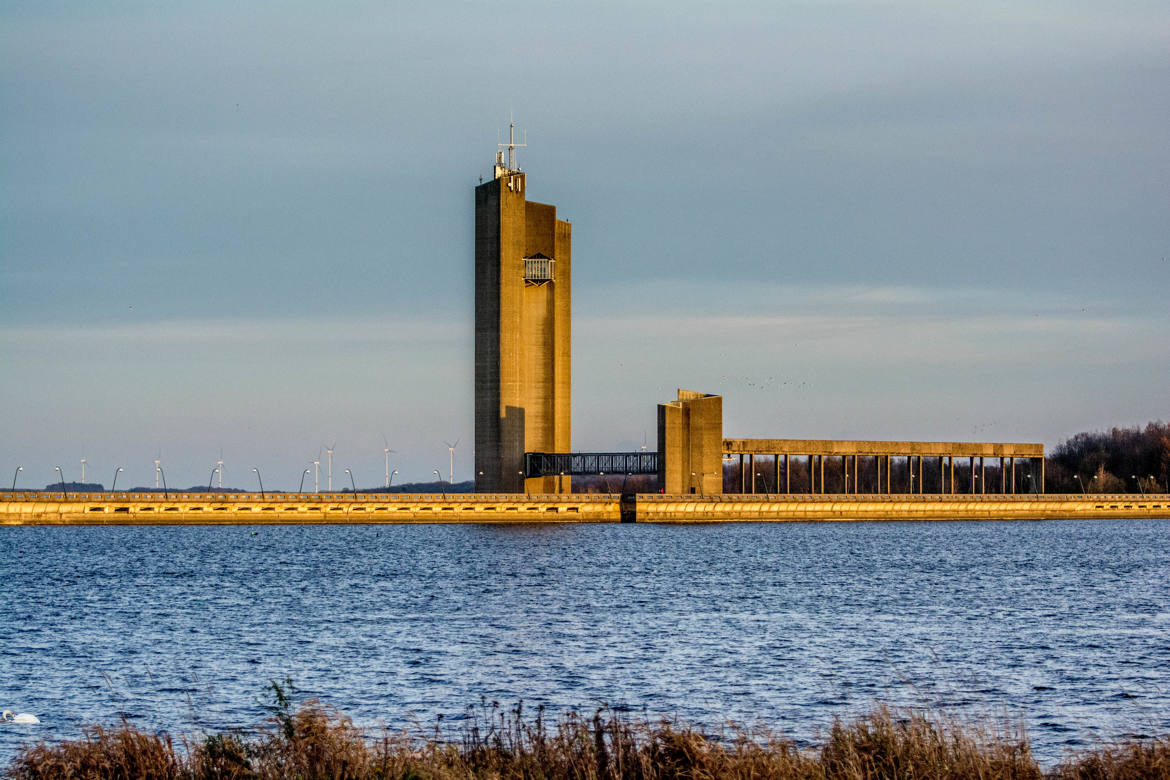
(33, 509)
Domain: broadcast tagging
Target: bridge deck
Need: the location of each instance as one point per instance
(551, 464)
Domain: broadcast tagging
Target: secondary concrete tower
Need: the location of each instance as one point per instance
(522, 346)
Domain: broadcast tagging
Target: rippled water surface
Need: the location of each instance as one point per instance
(1063, 625)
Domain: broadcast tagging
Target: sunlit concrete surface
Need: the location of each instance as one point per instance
(325, 508)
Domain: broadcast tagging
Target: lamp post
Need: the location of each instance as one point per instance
(1139, 483)
(524, 482)
(1077, 477)
(62, 476)
(164, 478)
(351, 483)
(18, 470)
(304, 474)
(440, 478)
(561, 483)
(390, 481)
(114, 484)
(258, 479)
(210, 477)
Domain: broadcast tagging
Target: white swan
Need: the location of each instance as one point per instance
(23, 717)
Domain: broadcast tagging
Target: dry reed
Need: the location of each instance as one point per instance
(313, 741)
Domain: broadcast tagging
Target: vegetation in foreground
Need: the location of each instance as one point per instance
(313, 741)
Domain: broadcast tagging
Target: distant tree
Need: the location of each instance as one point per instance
(1112, 461)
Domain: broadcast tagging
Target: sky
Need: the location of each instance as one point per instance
(247, 228)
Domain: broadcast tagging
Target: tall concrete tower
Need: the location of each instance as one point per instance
(522, 346)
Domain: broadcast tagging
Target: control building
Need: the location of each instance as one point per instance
(522, 332)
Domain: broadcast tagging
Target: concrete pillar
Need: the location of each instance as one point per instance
(752, 466)
(1013, 476)
(973, 480)
(742, 475)
(951, 463)
(1002, 476)
(887, 475)
(787, 475)
(1042, 488)
(982, 475)
(821, 458)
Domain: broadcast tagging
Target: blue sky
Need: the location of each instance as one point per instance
(250, 228)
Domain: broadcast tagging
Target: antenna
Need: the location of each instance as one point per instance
(511, 146)
(451, 467)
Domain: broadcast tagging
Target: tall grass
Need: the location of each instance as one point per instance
(313, 741)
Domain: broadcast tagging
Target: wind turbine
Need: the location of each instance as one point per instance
(387, 450)
(317, 472)
(219, 465)
(329, 450)
(451, 467)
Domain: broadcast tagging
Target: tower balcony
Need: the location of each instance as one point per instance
(538, 269)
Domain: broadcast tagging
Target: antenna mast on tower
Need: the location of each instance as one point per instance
(511, 146)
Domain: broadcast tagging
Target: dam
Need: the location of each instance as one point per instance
(39, 508)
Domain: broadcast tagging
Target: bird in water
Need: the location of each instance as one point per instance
(24, 717)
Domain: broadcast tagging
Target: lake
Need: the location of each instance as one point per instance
(1061, 625)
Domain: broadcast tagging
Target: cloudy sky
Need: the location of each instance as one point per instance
(248, 227)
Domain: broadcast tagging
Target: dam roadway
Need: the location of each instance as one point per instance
(44, 508)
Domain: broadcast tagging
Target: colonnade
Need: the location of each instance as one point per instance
(876, 472)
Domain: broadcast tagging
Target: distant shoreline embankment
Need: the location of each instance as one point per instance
(348, 508)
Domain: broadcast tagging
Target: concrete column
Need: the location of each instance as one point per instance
(845, 475)
(821, 458)
(1042, 488)
(942, 475)
(752, 466)
(787, 475)
(982, 475)
(973, 475)
(1013, 476)
(742, 476)
(887, 475)
(951, 463)
(1002, 477)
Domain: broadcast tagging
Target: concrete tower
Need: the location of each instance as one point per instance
(522, 347)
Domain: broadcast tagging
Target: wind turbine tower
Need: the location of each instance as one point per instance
(451, 466)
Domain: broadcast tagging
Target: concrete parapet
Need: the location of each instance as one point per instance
(850, 508)
(335, 508)
(285, 509)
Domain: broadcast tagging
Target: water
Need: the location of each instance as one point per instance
(1064, 626)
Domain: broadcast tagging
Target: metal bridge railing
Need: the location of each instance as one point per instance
(550, 464)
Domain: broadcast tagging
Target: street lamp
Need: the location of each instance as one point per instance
(115, 482)
(164, 478)
(211, 476)
(1077, 477)
(1139, 483)
(524, 482)
(62, 475)
(18, 470)
(440, 478)
(304, 474)
(391, 480)
(351, 484)
(261, 481)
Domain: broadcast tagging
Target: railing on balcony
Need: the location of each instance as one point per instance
(538, 269)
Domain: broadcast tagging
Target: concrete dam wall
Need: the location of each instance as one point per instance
(330, 508)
